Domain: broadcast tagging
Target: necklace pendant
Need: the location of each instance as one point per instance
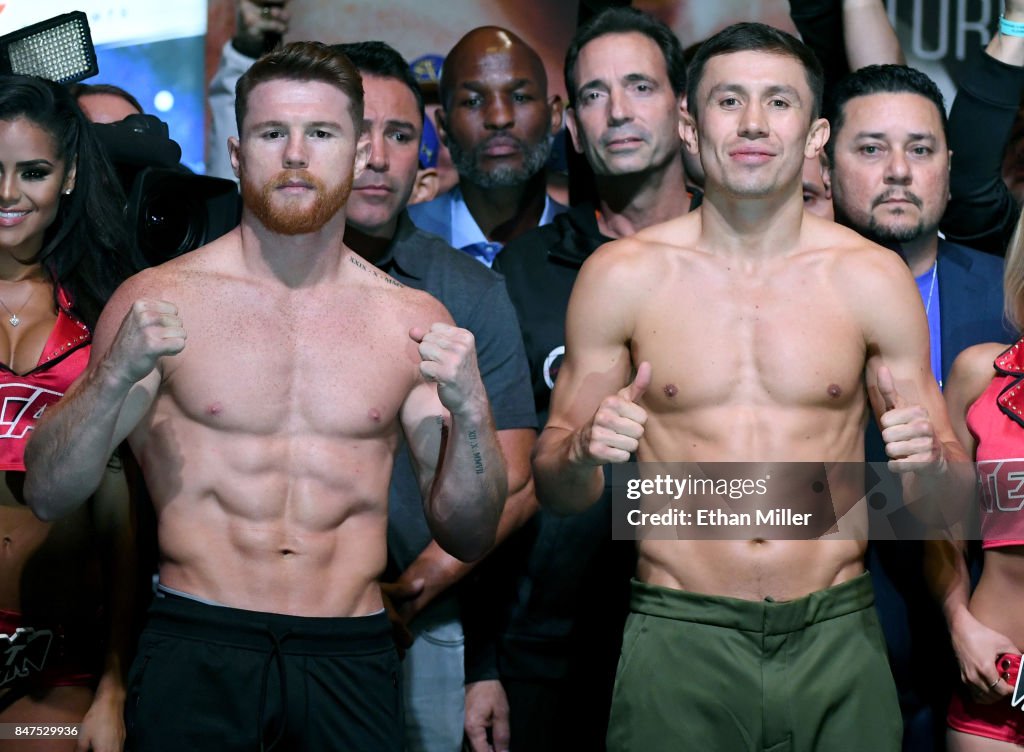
(14, 319)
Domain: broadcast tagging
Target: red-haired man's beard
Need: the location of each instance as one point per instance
(277, 216)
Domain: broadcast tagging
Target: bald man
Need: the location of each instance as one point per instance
(499, 123)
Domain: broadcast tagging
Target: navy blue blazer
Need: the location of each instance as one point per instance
(970, 301)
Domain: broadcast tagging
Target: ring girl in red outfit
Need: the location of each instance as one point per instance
(985, 397)
(63, 245)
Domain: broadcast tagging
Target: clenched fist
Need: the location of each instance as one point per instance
(448, 358)
(150, 330)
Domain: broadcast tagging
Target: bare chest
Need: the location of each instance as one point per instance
(719, 339)
(331, 367)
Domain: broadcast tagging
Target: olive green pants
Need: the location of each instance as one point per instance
(712, 674)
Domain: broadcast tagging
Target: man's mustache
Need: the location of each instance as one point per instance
(902, 194)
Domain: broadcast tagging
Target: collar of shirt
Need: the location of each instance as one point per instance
(467, 235)
(399, 256)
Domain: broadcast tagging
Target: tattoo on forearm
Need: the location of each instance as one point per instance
(474, 447)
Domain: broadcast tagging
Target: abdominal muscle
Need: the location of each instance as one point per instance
(293, 524)
(794, 445)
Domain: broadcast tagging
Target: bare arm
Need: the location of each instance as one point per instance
(846, 34)
(459, 463)
(868, 36)
(103, 725)
(976, 646)
(919, 439)
(594, 417)
(68, 452)
(435, 570)
(1009, 49)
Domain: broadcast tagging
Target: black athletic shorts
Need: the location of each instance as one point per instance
(221, 679)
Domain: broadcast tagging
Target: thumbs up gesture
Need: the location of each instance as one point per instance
(617, 426)
(907, 430)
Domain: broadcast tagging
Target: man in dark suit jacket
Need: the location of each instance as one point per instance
(970, 293)
(890, 182)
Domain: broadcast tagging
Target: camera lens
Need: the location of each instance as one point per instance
(171, 225)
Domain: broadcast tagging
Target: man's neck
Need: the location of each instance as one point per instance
(752, 228)
(503, 214)
(297, 261)
(920, 254)
(629, 203)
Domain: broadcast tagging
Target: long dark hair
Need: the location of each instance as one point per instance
(87, 249)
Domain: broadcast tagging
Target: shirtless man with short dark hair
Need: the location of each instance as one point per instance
(747, 644)
(267, 441)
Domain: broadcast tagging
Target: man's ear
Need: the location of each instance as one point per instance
(441, 125)
(362, 154)
(426, 186)
(573, 127)
(949, 168)
(234, 148)
(817, 137)
(687, 128)
(557, 110)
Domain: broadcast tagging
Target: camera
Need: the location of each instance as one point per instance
(172, 209)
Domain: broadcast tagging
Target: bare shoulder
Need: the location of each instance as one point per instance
(422, 306)
(614, 280)
(681, 232)
(866, 269)
(973, 370)
(645, 256)
(185, 272)
(381, 289)
(852, 250)
(148, 284)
